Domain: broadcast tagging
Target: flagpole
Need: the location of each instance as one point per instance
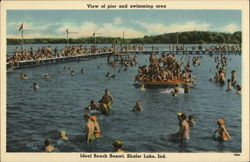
(95, 39)
(67, 31)
(22, 39)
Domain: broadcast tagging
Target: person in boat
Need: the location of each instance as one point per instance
(229, 85)
(97, 130)
(238, 89)
(35, 86)
(233, 78)
(63, 135)
(48, 147)
(89, 129)
(107, 99)
(184, 130)
(138, 106)
(223, 133)
(117, 145)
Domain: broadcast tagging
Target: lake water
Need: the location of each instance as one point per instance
(33, 116)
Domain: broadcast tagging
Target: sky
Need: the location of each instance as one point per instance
(112, 23)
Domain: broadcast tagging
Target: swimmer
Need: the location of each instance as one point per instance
(233, 78)
(138, 106)
(191, 121)
(117, 145)
(186, 88)
(35, 86)
(48, 147)
(46, 76)
(229, 85)
(238, 88)
(223, 134)
(63, 135)
(142, 88)
(89, 129)
(23, 76)
(107, 99)
(97, 130)
(184, 130)
(103, 108)
(72, 72)
(82, 70)
(179, 120)
(93, 105)
(175, 90)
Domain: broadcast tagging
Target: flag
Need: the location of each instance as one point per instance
(21, 27)
(93, 34)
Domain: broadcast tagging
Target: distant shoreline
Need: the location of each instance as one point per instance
(190, 37)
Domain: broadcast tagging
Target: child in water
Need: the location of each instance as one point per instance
(223, 134)
(138, 106)
(191, 121)
(117, 145)
(63, 135)
(48, 147)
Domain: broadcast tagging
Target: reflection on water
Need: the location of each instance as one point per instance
(33, 116)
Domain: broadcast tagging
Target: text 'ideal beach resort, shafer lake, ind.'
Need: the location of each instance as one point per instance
(118, 81)
(137, 156)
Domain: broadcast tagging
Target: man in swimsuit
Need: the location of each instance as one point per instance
(184, 131)
(107, 99)
(89, 129)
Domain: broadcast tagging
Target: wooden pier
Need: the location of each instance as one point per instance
(80, 57)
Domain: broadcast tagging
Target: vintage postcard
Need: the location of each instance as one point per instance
(125, 80)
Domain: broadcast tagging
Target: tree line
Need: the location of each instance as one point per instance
(190, 37)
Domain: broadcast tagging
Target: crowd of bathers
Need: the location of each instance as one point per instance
(220, 75)
(164, 68)
(219, 47)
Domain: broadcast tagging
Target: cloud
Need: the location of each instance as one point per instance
(117, 20)
(161, 28)
(28, 26)
(231, 28)
(86, 29)
(34, 35)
